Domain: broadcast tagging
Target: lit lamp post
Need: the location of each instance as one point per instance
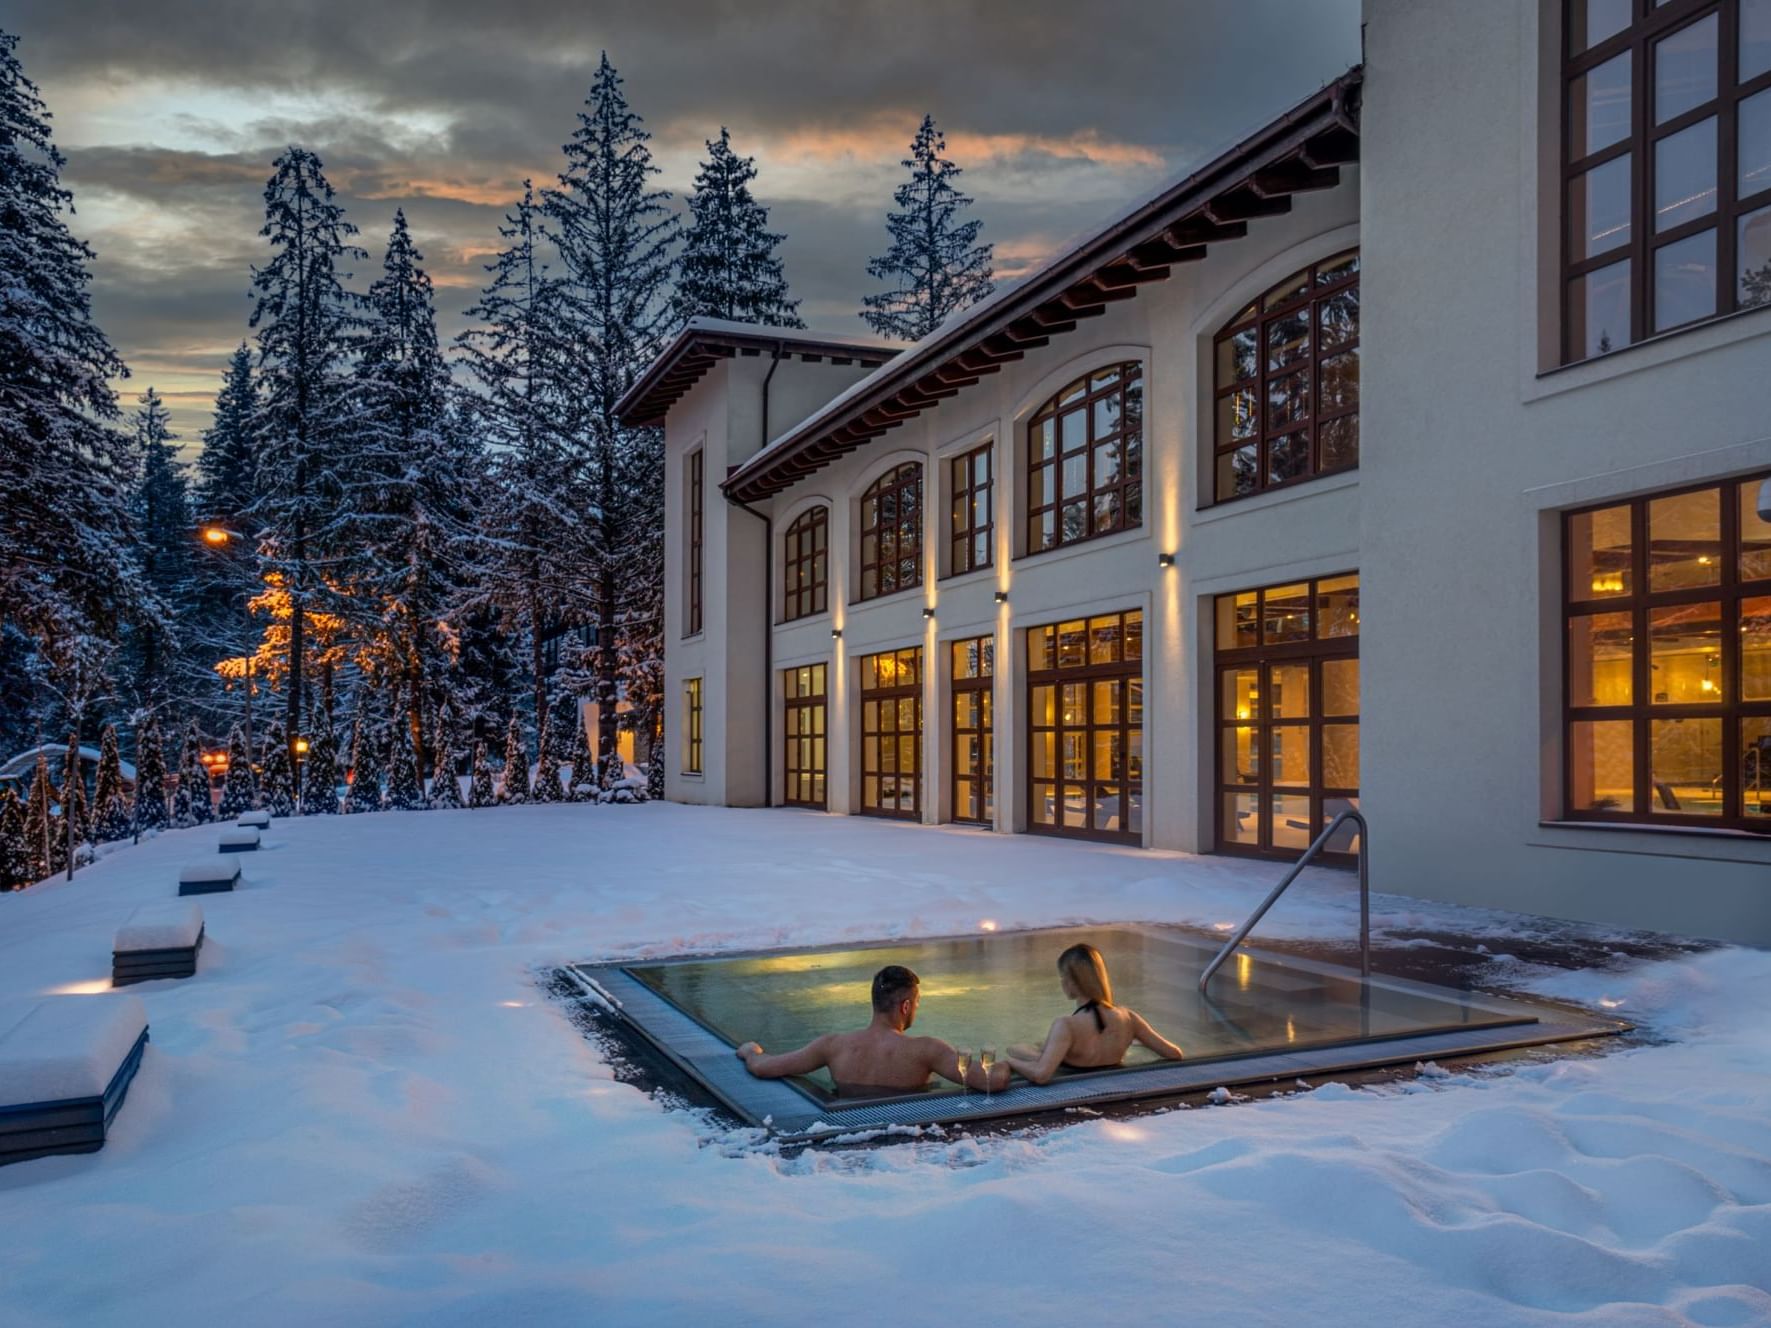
(217, 537)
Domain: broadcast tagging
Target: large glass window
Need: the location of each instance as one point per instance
(974, 755)
(1288, 715)
(891, 532)
(1085, 727)
(692, 726)
(1085, 460)
(1666, 167)
(891, 733)
(972, 518)
(1668, 650)
(1288, 382)
(803, 752)
(805, 565)
(696, 499)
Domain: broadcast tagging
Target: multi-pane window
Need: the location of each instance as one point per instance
(972, 511)
(696, 499)
(1288, 382)
(692, 726)
(806, 565)
(1668, 671)
(1288, 715)
(891, 532)
(1666, 166)
(974, 756)
(1085, 727)
(803, 752)
(1085, 460)
(891, 733)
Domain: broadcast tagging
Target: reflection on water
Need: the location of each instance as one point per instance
(1001, 989)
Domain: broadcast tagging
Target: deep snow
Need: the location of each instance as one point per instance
(363, 1110)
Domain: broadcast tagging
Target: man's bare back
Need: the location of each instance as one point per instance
(881, 1058)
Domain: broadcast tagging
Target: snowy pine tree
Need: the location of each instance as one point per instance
(46, 852)
(655, 766)
(445, 786)
(364, 794)
(319, 772)
(581, 787)
(404, 792)
(227, 465)
(15, 854)
(67, 566)
(73, 824)
(480, 792)
(163, 663)
(276, 780)
(191, 804)
(150, 810)
(307, 326)
(515, 788)
(935, 264)
(240, 790)
(547, 767)
(110, 807)
(729, 268)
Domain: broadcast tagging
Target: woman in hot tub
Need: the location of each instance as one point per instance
(1096, 1034)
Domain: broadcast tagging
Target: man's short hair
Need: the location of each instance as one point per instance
(892, 984)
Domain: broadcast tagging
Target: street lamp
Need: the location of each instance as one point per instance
(216, 535)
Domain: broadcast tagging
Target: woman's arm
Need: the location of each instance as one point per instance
(808, 1058)
(1040, 1071)
(1142, 1032)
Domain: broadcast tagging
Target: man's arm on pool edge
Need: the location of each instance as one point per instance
(813, 1056)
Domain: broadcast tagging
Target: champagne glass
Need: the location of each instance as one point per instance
(965, 1063)
(986, 1062)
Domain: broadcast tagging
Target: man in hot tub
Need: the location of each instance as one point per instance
(881, 1059)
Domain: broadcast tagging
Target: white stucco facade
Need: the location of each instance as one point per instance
(1472, 444)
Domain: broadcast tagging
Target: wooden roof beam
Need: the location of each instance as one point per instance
(1243, 204)
(1200, 229)
(1294, 177)
(1336, 146)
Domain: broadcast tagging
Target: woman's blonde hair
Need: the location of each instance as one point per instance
(1087, 972)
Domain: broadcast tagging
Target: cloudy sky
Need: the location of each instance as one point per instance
(170, 112)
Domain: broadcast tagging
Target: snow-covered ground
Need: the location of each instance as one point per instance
(363, 1111)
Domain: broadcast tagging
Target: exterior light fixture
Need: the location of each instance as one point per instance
(836, 633)
(1002, 597)
(1165, 560)
(214, 535)
(928, 612)
(301, 745)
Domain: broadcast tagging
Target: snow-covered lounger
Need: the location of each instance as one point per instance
(238, 839)
(257, 820)
(158, 941)
(208, 878)
(65, 1066)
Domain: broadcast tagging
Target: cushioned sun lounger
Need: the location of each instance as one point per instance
(238, 839)
(258, 820)
(65, 1066)
(208, 878)
(159, 941)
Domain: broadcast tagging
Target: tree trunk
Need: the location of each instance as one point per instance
(67, 806)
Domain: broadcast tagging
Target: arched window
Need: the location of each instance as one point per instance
(1085, 459)
(891, 532)
(1288, 382)
(806, 564)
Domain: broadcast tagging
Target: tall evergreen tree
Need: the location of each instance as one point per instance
(46, 852)
(729, 268)
(161, 662)
(110, 808)
(615, 235)
(240, 790)
(276, 780)
(191, 803)
(547, 766)
(319, 772)
(480, 792)
(15, 854)
(445, 786)
(515, 788)
(935, 265)
(365, 787)
(73, 828)
(404, 792)
(581, 786)
(67, 566)
(150, 810)
(222, 497)
(655, 765)
(227, 465)
(307, 325)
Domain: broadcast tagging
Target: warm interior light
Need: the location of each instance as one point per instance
(214, 535)
(1608, 583)
(301, 744)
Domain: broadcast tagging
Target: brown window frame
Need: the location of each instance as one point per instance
(877, 695)
(805, 705)
(696, 539)
(972, 666)
(1650, 24)
(969, 494)
(1731, 591)
(1264, 656)
(1048, 452)
(1316, 298)
(900, 482)
(693, 701)
(805, 565)
(1127, 671)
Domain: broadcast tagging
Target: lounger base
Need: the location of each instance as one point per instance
(77, 1125)
(129, 966)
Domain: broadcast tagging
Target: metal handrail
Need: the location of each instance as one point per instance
(1350, 814)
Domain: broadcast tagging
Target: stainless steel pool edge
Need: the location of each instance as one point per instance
(788, 1112)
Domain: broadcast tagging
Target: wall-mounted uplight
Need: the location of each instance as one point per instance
(1002, 597)
(836, 633)
(1165, 560)
(928, 612)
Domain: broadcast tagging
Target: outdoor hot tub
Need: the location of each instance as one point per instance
(1265, 1016)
